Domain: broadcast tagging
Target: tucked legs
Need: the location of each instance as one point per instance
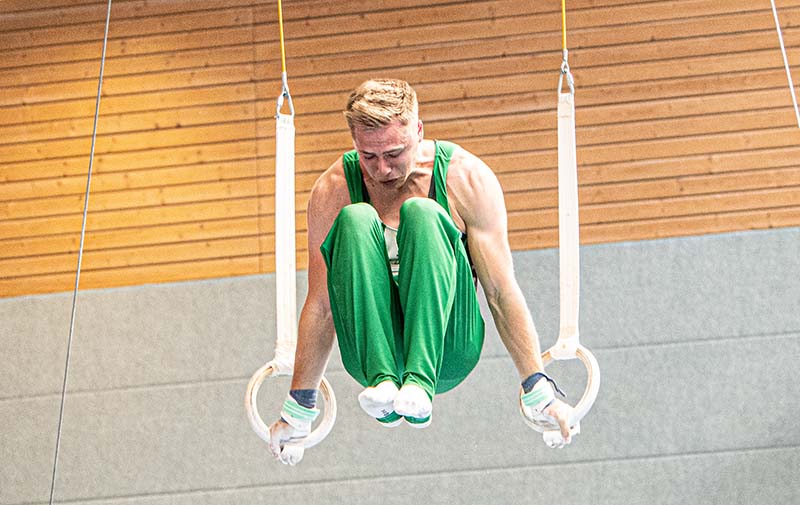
(423, 328)
(363, 296)
(443, 331)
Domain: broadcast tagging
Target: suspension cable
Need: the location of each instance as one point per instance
(80, 258)
(283, 47)
(786, 62)
(285, 95)
(563, 25)
(565, 53)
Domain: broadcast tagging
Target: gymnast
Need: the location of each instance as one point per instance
(400, 230)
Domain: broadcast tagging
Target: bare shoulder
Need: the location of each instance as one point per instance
(329, 194)
(332, 180)
(466, 168)
(473, 189)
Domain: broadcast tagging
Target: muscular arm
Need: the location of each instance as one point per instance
(479, 203)
(315, 336)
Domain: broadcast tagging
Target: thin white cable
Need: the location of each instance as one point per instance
(786, 62)
(80, 258)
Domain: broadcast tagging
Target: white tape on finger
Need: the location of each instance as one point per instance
(292, 453)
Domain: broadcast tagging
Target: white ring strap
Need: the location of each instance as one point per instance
(568, 229)
(285, 285)
(568, 344)
(285, 266)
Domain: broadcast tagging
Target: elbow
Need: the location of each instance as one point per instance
(503, 296)
(494, 300)
(323, 311)
(319, 312)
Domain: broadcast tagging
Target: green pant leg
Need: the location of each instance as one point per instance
(363, 296)
(443, 327)
(463, 341)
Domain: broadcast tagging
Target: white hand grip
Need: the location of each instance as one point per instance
(589, 395)
(554, 440)
(316, 436)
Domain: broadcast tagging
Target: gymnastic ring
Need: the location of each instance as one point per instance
(316, 436)
(589, 395)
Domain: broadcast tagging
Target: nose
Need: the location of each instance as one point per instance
(383, 166)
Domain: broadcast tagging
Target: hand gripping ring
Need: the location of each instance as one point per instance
(589, 395)
(316, 436)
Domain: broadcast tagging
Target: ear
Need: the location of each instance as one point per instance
(420, 130)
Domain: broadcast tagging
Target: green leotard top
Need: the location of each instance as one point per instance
(437, 191)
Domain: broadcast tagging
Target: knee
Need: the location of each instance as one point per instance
(357, 217)
(419, 210)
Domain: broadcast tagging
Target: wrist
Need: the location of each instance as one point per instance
(305, 397)
(297, 416)
(532, 380)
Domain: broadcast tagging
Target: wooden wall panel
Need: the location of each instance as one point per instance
(684, 118)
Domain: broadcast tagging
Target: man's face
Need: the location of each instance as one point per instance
(387, 155)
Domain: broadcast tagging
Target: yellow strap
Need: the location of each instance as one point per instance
(564, 63)
(563, 24)
(283, 50)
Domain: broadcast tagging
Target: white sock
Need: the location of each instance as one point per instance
(378, 401)
(413, 401)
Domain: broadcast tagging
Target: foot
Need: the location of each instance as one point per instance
(378, 402)
(414, 404)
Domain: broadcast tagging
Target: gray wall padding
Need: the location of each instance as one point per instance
(698, 341)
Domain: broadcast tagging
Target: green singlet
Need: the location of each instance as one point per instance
(421, 323)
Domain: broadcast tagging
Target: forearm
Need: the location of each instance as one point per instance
(517, 330)
(314, 344)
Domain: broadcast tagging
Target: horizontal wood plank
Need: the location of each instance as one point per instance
(684, 121)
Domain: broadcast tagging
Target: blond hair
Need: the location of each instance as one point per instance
(378, 102)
